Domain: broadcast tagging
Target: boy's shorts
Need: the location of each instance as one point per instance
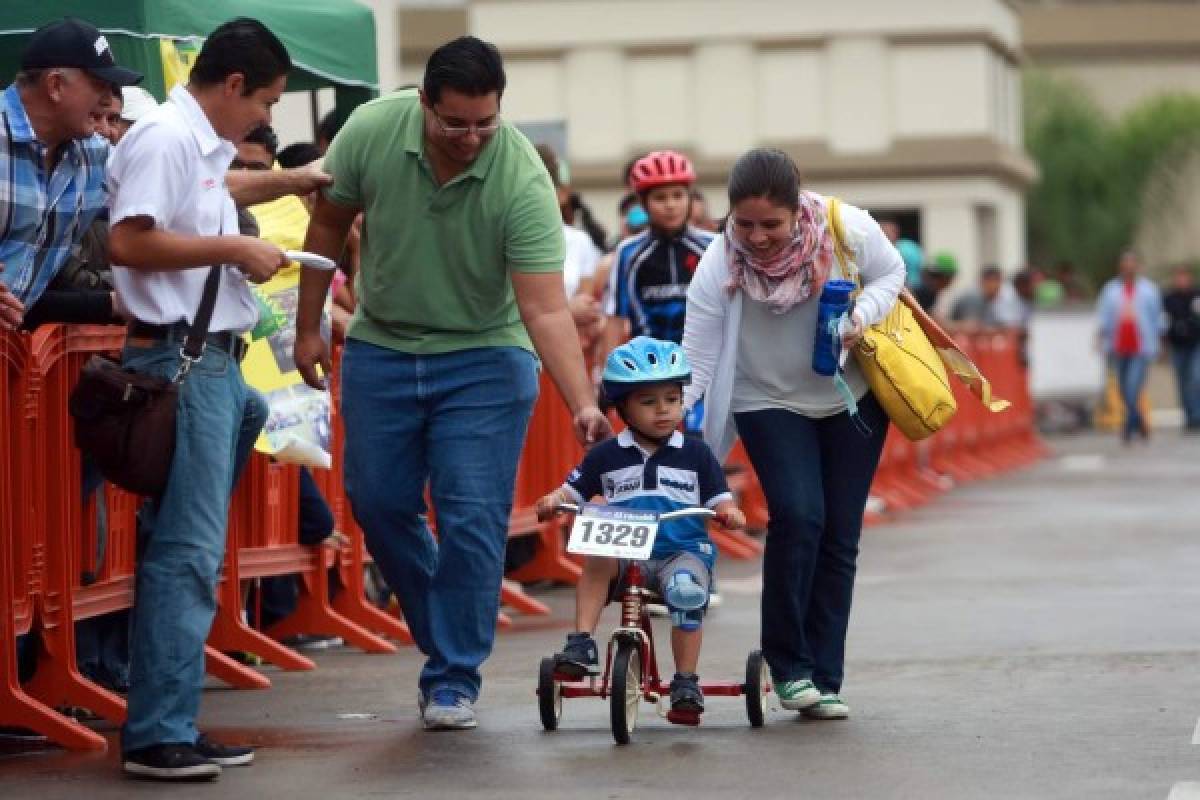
(657, 571)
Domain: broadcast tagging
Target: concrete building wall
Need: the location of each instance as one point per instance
(910, 107)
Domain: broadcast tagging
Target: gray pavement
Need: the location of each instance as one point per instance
(1032, 636)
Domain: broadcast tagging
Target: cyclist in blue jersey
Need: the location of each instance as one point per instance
(649, 280)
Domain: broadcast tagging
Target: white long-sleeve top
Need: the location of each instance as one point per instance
(714, 323)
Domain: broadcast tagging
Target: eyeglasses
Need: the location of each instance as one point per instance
(257, 166)
(459, 131)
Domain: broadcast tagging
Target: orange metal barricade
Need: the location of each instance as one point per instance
(23, 552)
(44, 547)
(550, 452)
(267, 545)
(58, 354)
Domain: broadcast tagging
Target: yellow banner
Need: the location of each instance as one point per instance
(178, 56)
(297, 429)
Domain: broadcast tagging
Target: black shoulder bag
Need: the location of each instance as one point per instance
(125, 421)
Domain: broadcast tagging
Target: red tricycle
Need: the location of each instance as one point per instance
(631, 671)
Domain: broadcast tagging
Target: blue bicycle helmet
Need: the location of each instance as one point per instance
(641, 362)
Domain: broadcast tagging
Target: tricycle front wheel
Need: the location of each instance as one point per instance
(549, 694)
(626, 693)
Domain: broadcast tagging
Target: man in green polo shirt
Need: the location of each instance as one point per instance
(460, 282)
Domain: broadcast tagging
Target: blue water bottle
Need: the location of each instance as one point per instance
(827, 344)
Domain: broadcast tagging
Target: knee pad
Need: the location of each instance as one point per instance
(686, 598)
(687, 620)
(684, 592)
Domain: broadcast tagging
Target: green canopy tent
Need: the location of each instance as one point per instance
(331, 42)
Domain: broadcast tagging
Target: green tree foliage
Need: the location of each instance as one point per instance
(1099, 176)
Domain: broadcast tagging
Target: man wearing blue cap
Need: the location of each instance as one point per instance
(51, 165)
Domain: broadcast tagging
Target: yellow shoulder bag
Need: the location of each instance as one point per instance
(902, 367)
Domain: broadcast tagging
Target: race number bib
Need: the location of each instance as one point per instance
(613, 532)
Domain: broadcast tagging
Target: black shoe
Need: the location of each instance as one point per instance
(225, 755)
(686, 694)
(580, 657)
(170, 762)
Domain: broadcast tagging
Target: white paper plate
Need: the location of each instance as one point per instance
(311, 260)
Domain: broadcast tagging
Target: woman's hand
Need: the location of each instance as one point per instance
(852, 336)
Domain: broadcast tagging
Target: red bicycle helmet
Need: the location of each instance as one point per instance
(660, 168)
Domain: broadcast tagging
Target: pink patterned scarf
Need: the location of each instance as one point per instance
(795, 273)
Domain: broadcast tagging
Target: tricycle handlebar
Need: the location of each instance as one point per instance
(572, 508)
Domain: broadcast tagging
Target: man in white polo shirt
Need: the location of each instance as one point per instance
(173, 218)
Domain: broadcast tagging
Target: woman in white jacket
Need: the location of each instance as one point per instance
(749, 333)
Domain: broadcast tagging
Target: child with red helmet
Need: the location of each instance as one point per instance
(652, 269)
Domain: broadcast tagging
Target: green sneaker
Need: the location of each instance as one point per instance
(830, 706)
(797, 695)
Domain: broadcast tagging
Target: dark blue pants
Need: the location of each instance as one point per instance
(1186, 361)
(816, 475)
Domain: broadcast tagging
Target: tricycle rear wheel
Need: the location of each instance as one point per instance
(758, 682)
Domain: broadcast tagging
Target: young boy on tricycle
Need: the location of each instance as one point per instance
(650, 466)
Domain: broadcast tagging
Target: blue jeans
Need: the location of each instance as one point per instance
(1131, 377)
(1187, 375)
(219, 418)
(816, 475)
(456, 421)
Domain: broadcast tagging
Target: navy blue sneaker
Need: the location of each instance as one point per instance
(686, 694)
(580, 657)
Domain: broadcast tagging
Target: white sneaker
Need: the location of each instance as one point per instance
(447, 710)
(831, 706)
(797, 695)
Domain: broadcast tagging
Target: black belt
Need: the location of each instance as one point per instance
(226, 341)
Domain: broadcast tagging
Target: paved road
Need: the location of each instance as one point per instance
(1035, 636)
